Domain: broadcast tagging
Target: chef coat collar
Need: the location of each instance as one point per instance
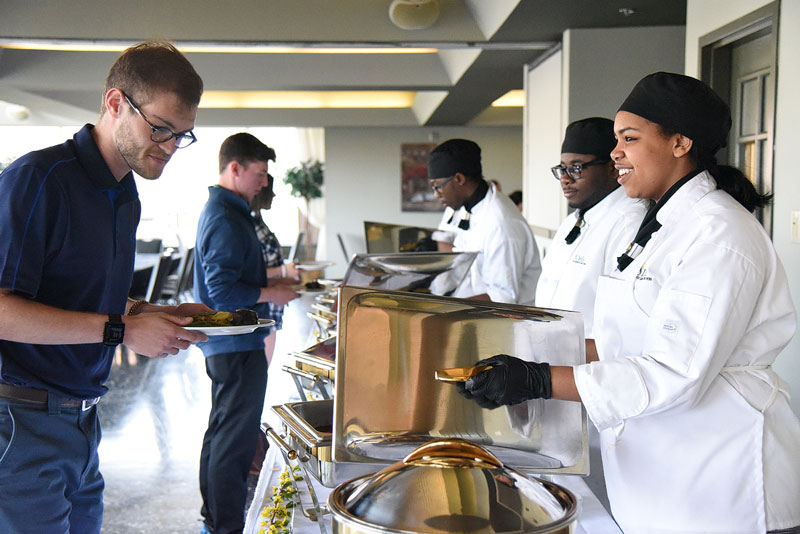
(576, 230)
(650, 224)
(584, 218)
(477, 195)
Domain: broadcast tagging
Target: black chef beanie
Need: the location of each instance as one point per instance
(683, 105)
(590, 136)
(455, 155)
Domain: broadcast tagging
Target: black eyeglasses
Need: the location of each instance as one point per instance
(162, 134)
(574, 170)
(438, 187)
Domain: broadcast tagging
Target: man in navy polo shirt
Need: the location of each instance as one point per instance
(230, 273)
(68, 218)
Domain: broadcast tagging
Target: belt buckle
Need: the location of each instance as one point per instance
(88, 403)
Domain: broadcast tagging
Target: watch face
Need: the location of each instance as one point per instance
(113, 334)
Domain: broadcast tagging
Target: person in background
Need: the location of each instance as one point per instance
(603, 221)
(486, 221)
(68, 219)
(446, 232)
(697, 431)
(586, 245)
(278, 272)
(230, 273)
(516, 198)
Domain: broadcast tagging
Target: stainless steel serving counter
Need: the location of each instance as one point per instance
(592, 517)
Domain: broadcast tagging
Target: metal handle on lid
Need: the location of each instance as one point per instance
(452, 451)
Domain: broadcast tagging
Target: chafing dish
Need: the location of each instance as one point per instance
(307, 436)
(451, 486)
(387, 401)
(436, 273)
(314, 370)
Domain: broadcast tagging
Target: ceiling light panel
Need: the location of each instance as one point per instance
(306, 99)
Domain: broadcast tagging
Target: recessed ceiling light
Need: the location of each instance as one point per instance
(512, 99)
(306, 99)
(212, 48)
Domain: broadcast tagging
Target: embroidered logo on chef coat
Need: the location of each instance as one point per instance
(670, 327)
(643, 275)
(580, 260)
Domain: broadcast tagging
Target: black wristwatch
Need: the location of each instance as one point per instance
(114, 332)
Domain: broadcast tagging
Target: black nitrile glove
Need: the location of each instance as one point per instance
(483, 402)
(510, 381)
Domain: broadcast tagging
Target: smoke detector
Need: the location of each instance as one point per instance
(414, 14)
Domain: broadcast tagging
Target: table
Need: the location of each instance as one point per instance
(592, 517)
(145, 260)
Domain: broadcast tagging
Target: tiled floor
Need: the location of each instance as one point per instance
(153, 419)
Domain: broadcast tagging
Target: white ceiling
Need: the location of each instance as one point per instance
(482, 46)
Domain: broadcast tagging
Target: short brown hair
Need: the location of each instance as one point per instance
(244, 148)
(151, 67)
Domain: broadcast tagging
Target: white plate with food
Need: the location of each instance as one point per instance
(313, 265)
(231, 330)
(309, 287)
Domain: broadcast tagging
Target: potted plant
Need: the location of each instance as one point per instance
(306, 183)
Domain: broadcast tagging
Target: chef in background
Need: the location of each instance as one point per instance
(484, 220)
(697, 431)
(603, 222)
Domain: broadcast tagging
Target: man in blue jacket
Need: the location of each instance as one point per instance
(229, 274)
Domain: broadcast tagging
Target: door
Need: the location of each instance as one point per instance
(739, 62)
(752, 109)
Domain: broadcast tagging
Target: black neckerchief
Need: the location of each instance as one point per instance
(471, 202)
(650, 224)
(576, 230)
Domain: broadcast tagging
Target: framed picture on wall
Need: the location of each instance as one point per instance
(416, 192)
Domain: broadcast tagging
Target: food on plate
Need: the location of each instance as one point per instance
(313, 285)
(220, 318)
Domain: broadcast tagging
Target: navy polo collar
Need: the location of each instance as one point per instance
(96, 167)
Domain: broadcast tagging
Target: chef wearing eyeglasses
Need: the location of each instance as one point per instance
(485, 221)
(603, 222)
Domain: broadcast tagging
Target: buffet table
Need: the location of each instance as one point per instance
(592, 517)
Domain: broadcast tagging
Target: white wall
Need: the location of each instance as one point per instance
(604, 64)
(543, 132)
(705, 16)
(591, 76)
(362, 178)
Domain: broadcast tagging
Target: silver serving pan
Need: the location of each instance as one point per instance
(314, 370)
(436, 273)
(307, 435)
(387, 401)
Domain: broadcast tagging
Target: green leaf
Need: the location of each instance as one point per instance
(306, 180)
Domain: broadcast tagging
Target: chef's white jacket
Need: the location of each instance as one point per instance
(570, 270)
(697, 434)
(508, 265)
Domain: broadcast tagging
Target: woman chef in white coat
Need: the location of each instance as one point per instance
(696, 428)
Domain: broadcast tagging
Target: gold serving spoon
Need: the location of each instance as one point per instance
(460, 374)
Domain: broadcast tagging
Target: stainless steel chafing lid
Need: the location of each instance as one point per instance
(437, 273)
(452, 486)
(387, 402)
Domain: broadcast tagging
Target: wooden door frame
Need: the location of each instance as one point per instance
(715, 67)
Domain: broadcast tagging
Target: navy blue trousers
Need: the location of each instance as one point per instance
(50, 482)
(238, 385)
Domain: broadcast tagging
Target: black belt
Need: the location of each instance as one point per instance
(39, 397)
